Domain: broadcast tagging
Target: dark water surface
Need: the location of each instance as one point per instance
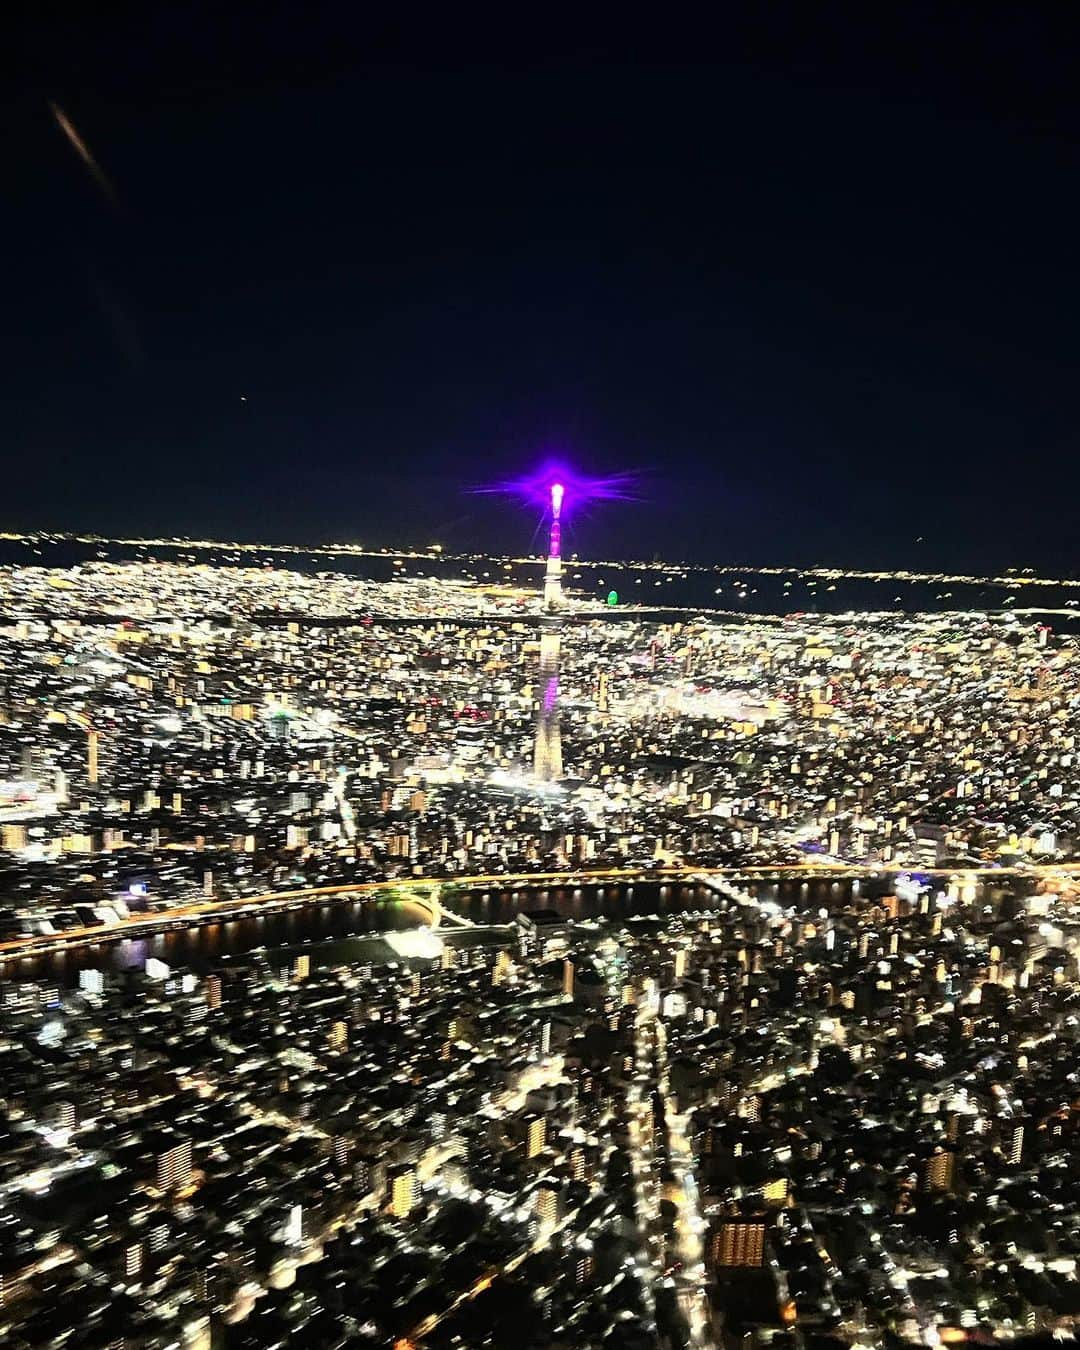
(349, 929)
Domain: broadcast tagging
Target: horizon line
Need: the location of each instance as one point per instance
(1014, 577)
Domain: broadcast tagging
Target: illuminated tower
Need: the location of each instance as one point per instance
(553, 571)
(547, 755)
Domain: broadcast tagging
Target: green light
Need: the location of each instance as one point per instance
(613, 597)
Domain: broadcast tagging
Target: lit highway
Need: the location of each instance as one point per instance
(689, 1279)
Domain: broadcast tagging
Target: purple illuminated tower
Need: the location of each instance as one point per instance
(547, 753)
(553, 572)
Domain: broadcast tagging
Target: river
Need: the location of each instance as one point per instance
(348, 929)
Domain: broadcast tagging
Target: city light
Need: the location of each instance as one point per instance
(554, 484)
(452, 922)
(556, 824)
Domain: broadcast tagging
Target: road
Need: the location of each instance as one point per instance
(485, 1281)
(689, 1280)
(348, 819)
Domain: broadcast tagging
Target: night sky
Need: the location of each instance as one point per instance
(811, 271)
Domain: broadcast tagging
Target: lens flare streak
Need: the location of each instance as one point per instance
(83, 151)
(557, 489)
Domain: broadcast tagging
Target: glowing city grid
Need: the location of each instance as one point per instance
(397, 947)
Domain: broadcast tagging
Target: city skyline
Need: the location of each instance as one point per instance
(580, 1012)
(540, 680)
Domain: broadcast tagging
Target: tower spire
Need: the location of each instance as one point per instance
(547, 753)
(553, 571)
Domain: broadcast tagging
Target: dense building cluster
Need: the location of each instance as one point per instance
(149, 759)
(341, 1155)
(882, 1099)
(830, 1102)
(809, 1115)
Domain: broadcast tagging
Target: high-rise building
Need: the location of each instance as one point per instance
(940, 1170)
(174, 1166)
(133, 1260)
(501, 970)
(535, 1136)
(602, 692)
(13, 837)
(92, 981)
(737, 1242)
(404, 1192)
(34, 763)
(775, 1192)
(294, 1226)
(547, 1205)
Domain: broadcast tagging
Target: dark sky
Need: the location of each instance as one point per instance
(811, 269)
